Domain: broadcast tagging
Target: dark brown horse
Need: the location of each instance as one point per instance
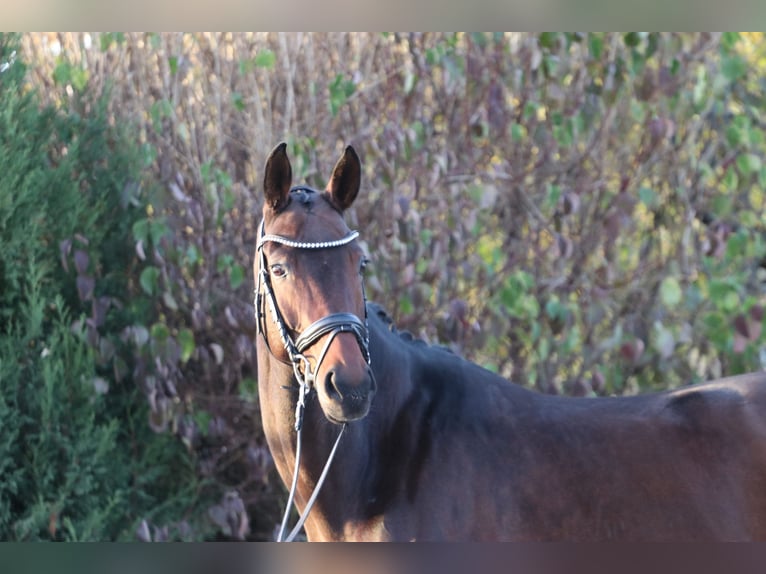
(437, 448)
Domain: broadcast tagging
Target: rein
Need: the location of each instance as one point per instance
(332, 324)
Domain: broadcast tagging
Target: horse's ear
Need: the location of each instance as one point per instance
(345, 179)
(277, 178)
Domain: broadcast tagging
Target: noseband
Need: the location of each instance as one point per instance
(332, 324)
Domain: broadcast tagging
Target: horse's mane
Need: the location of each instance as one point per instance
(406, 336)
(308, 196)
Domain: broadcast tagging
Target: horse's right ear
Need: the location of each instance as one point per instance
(277, 178)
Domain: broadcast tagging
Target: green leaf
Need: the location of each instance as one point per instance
(508, 296)
(530, 110)
(141, 230)
(700, 86)
(248, 389)
(547, 39)
(749, 163)
(173, 63)
(648, 197)
(528, 307)
(237, 276)
(405, 305)
(554, 309)
(410, 80)
(716, 329)
(160, 332)
(157, 230)
(553, 193)
(265, 59)
(186, 341)
(729, 40)
(79, 79)
(632, 39)
(736, 245)
(675, 66)
(663, 340)
(596, 44)
(159, 110)
(340, 90)
(730, 180)
(140, 335)
(106, 40)
(62, 74)
(149, 280)
(246, 66)
(731, 301)
(488, 249)
(563, 135)
(224, 262)
(724, 294)
(733, 135)
(670, 292)
(202, 420)
(573, 341)
(170, 301)
(733, 67)
(238, 101)
(719, 287)
(755, 135)
(192, 255)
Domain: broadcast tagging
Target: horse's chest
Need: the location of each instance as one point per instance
(372, 530)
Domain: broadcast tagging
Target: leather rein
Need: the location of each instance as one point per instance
(332, 324)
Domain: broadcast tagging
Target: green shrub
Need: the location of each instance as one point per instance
(78, 460)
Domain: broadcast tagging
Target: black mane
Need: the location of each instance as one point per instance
(307, 196)
(304, 194)
(374, 309)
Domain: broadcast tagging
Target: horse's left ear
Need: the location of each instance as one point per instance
(345, 179)
(278, 175)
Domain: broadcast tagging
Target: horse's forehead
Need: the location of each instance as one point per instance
(307, 221)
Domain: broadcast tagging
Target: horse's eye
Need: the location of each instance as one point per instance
(363, 264)
(278, 270)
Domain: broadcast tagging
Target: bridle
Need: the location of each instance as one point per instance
(333, 324)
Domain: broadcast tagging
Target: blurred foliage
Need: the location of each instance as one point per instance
(77, 459)
(583, 213)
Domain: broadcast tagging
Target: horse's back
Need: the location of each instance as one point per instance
(687, 464)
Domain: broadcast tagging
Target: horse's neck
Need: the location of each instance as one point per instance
(277, 404)
(361, 455)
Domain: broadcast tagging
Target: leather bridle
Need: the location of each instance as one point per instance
(333, 324)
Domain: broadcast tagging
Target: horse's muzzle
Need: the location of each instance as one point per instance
(344, 397)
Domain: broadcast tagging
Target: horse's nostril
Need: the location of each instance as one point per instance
(331, 387)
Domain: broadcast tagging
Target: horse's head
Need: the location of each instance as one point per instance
(310, 293)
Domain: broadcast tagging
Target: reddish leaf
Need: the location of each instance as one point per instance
(81, 261)
(740, 326)
(632, 350)
(85, 286)
(100, 307)
(66, 248)
(740, 343)
(140, 250)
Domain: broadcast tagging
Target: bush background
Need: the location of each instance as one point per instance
(583, 213)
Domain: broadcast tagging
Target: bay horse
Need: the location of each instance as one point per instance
(436, 448)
